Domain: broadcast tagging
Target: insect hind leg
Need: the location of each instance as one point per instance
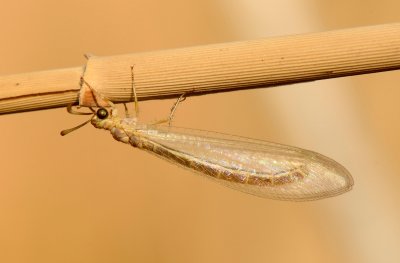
(173, 109)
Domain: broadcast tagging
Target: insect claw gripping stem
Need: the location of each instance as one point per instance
(97, 95)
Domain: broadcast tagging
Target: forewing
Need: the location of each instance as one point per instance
(257, 167)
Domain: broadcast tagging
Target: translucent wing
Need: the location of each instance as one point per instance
(257, 167)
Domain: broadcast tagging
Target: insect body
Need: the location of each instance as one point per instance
(261, 168)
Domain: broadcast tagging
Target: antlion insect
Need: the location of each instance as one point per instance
(257, 167)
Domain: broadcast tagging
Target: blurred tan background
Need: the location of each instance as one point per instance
(88, 198)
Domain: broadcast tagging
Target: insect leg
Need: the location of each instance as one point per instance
(98, 97)
(127, 115)
(173, 109)
(134, 92)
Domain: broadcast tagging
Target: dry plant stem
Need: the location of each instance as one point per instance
(210, 69)
(39, 90)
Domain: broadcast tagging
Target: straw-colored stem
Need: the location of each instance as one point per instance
(210, 69)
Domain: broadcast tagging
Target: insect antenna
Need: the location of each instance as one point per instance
(65, 132)
(75, 112)
(98, 99)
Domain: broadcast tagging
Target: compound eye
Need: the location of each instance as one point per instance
(102, 113)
